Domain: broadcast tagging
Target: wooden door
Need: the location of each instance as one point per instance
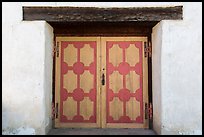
(81, 97)
(125, 91)
(77, 90)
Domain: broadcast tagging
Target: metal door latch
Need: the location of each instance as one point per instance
(103, 79)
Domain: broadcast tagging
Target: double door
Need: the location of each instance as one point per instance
(101, 82)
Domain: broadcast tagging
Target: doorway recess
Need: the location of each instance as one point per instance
(91, 21)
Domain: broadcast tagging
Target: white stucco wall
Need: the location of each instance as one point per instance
(156, 76)
(27, 83)
(179, 66)
(27, 66)
(48, 60)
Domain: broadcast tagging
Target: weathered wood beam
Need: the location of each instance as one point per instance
(92, 14)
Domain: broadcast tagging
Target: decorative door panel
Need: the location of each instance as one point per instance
(124, 92)
(78, 97)
(101, 82)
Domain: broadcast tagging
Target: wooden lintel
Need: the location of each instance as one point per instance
(103, 29)
(92, 14)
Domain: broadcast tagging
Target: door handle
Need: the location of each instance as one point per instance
(103, 79)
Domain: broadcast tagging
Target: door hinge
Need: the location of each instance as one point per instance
(148, 49)
(56, 50)
(148, 111)
(56, 110)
